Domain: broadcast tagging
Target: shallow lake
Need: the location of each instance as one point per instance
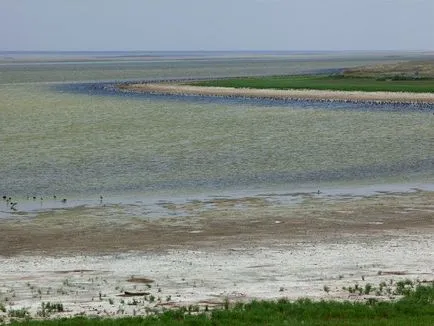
(138, 150)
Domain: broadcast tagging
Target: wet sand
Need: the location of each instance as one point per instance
(290, 94)
(241, 249)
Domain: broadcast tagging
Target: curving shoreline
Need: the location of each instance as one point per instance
(290, 94)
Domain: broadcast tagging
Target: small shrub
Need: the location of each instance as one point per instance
(368, 288)
(404, 287)
(48, 308)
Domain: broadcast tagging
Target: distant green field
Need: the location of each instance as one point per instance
(324, 82)
(415, 308)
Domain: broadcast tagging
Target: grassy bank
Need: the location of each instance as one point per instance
(415, 308)
(323, 82)
(410, 76)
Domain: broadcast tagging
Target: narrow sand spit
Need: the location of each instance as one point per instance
(317, 248)
(294, 94)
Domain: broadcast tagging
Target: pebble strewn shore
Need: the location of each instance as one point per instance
(294, 94)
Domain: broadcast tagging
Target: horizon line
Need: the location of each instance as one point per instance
(207, 51)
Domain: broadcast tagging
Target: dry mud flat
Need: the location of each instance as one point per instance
(261, 251)
(290, 94)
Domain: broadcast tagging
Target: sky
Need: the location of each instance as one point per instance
(213, 25)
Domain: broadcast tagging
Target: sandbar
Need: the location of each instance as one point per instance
(289, 94)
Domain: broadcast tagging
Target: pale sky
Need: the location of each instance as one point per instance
(162, 25)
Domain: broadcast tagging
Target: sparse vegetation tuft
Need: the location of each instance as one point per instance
(19, 313)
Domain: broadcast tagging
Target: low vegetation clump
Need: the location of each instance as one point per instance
(19, 313)
(416, 307)
(48, 308)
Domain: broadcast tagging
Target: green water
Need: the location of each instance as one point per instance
(84, 145)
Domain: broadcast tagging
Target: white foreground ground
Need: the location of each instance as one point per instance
(313, 250)
(91, 285)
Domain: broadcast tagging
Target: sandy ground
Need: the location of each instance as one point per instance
(241, 249)
(304, 94)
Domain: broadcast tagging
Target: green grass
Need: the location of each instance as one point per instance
(323, 82)
(416, 308)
